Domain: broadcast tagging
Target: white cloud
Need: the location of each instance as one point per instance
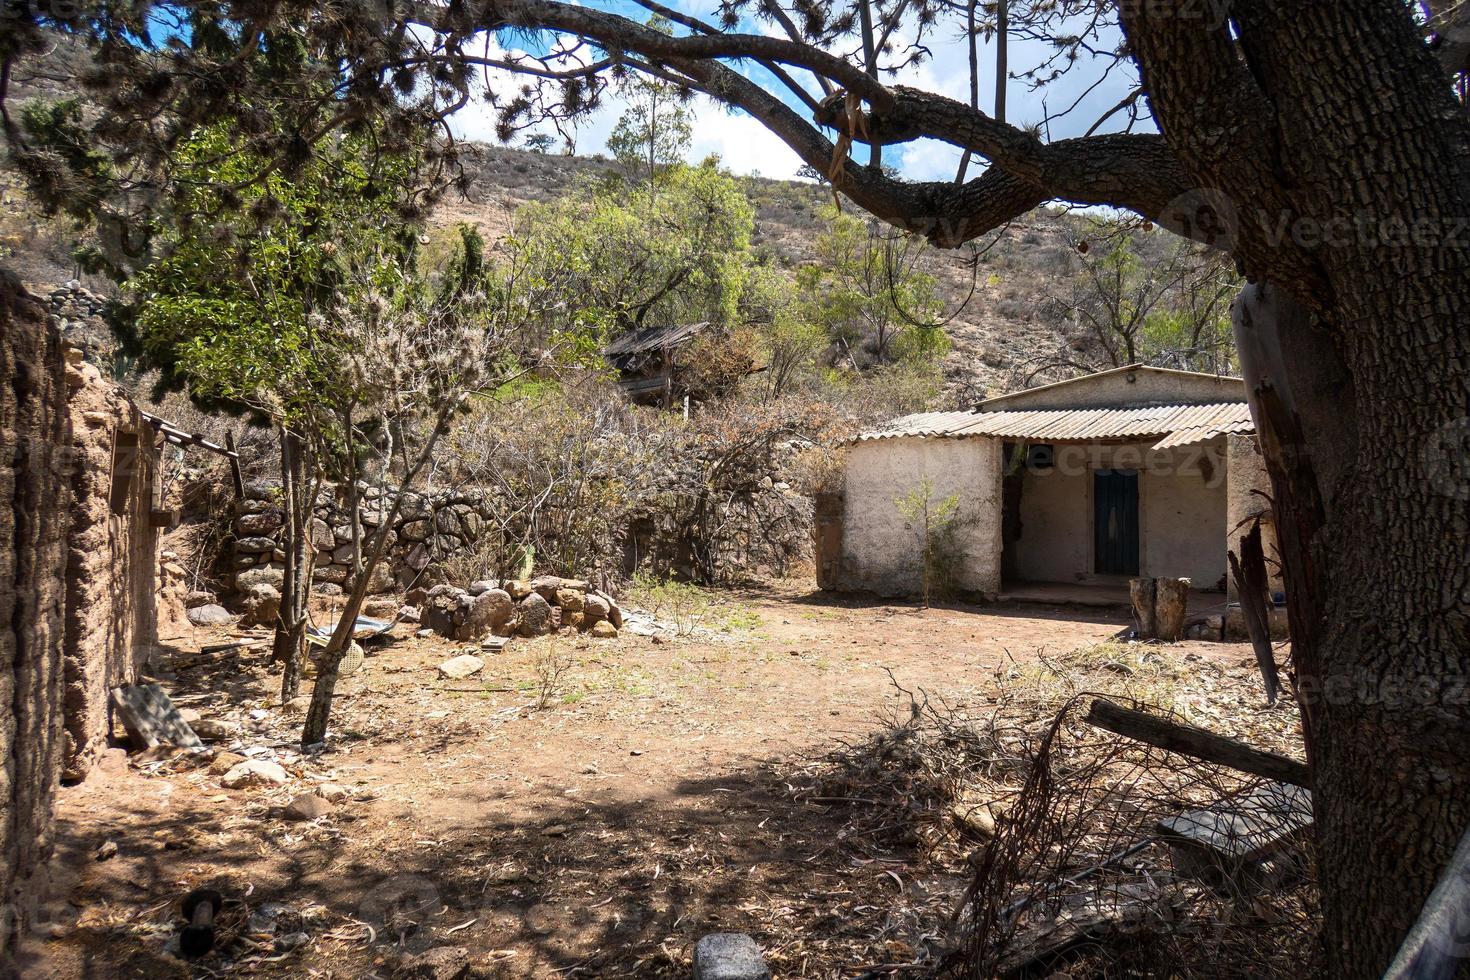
(744, 145)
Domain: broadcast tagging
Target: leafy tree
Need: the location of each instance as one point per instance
(232, 307)
(1139, 297)
(625, 257)
(866, 292)
(415, 345)
(655, 131)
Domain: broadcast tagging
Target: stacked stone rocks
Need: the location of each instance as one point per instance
(426, 530)
(751, 523)
(538, 607)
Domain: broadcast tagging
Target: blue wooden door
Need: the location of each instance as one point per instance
(1115, 522)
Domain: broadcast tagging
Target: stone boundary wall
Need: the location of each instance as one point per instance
(429, 529)
(763, 529)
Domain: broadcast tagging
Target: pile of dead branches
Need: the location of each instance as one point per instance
(1082, 850)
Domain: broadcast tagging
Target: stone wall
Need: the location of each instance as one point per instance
(759, 525)
(428, 531)
(34, 497)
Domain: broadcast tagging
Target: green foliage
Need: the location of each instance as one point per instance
(937, 522)
(682, 603)
(622, 257)
(869, 297)
(228, 304)
(66, 170)
(655, 131)
(1151, 298)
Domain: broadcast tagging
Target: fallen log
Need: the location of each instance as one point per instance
(1196, 743)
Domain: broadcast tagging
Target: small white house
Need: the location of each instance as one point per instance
(1093, 481)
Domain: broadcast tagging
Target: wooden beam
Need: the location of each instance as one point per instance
(1196, 743)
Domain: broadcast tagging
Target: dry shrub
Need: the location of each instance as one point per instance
(1026, 819)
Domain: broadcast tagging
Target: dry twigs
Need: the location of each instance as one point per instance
(1055, 827)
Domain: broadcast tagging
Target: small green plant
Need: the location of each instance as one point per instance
(684, 604)
(553, 662)
(937, 523)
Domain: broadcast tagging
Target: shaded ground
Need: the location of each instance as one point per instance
(653, 799)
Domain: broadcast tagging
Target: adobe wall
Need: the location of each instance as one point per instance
(76, 585)
(112, 561)
(34, 502)
(882, 550)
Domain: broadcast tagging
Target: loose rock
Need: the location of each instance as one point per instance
(458, 668)
(490, 612)
(729, 956)
(534, 614)
(307, 806)
(254, 772)
(546, 586)
(210, 615)
(595, 608)
(604, 630)
(261, 605)
(210, 729)
(224, 762)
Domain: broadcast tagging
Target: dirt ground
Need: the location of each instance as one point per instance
(654, 797)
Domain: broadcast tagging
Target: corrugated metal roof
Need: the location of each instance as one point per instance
(652, 339)
(1179, 424)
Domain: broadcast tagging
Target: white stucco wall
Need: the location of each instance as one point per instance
(1182, 513)
(881, 551)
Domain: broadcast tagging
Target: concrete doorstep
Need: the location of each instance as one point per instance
(729, 956)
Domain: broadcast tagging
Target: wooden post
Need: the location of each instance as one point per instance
(234, 459)
(1250, 583)
(1196, 743)
(1171, 606)
(1142, 592)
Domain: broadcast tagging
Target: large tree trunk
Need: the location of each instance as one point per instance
(1341, 161)
(1374, 547)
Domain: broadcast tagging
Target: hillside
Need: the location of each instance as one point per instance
(1002, 325)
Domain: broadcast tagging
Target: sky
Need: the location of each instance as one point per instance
(746, 147)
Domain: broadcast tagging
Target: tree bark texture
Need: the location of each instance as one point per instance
(1338, 146)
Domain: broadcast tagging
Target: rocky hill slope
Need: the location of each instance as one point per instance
(999, 309)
